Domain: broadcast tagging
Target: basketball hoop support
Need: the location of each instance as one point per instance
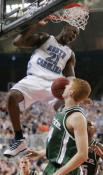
(23, 22)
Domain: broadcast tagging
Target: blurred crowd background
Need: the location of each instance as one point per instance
(36, 121)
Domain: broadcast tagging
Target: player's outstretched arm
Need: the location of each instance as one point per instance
(28, 39)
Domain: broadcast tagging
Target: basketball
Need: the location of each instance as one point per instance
(58, 87)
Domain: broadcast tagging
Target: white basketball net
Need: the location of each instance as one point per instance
(36, 6)
(76, 16)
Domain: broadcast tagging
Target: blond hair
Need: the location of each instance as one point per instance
(81, 89)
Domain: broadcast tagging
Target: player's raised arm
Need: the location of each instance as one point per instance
(28, 38)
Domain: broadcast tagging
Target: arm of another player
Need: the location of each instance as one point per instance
(28, 39)
(68, 71)
(69, 68)
(79, 124)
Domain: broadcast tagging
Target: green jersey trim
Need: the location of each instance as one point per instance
(70, 111)
(63, 148)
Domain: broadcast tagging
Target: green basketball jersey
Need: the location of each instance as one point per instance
(61, 145)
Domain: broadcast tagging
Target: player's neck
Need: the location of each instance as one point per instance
(60, 40)
(70, 103)
(25, 172)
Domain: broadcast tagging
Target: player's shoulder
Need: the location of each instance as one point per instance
(41, 38)
(75, 109)
(76, 120)
(72, 53)
(77, 116)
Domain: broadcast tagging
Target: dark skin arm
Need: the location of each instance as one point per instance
(28, 38)
(69, 68)
(68, 71)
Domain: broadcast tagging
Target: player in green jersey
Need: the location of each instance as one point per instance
(90, 167)
(67, 141)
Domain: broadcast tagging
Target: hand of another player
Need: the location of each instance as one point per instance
(32, 154)
(43, 22)
(97, 150)
(35, 154)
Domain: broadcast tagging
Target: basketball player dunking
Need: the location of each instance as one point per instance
(51, 59)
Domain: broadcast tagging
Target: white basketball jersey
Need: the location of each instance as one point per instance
(49, 60)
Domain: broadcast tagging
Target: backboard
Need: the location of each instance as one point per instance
(35, 12)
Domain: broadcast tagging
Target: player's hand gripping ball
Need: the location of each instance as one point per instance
(58, 87)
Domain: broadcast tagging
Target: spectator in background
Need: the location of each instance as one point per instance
(8, 168)
(43, 127)
(25, 167)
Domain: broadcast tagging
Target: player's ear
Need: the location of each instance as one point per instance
(64, 94)
(67, 92)
(71, 92)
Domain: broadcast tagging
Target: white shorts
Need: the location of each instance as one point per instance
(33, 89)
